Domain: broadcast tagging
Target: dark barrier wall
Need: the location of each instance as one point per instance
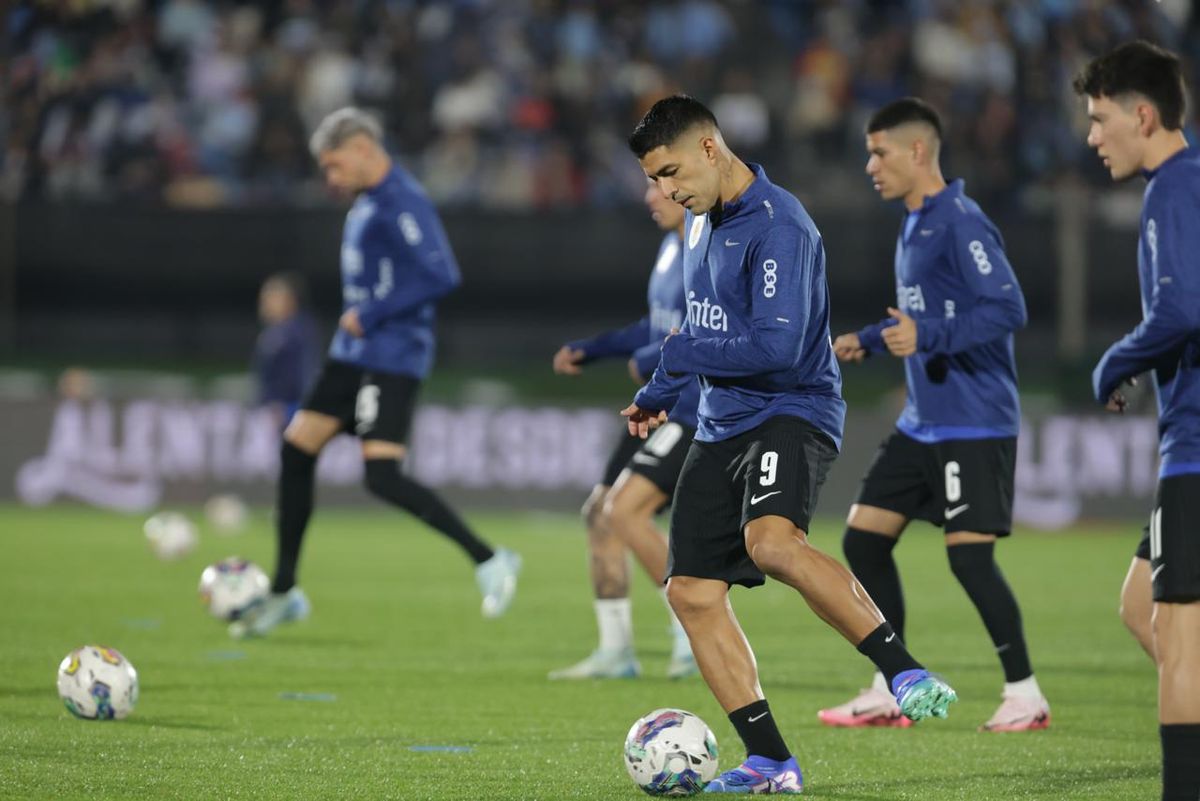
(121, 279)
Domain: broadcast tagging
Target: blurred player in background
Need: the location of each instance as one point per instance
(952, 458)
(769, 426)
(396, 263)
(640, 477)
(285, 354)
(1136, 101)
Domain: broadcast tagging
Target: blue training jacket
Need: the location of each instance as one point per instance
(396, 262)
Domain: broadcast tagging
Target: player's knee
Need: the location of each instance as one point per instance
(774, 548)
(690, 597)
(972, 559)
(295, 461)
(382, 478)
(866, 547)
(621, 511)
(593, 508)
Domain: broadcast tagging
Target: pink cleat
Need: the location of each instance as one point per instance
(1020, 713)
(872, 707)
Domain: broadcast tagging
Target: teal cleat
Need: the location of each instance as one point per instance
(268, 613)
(760, 776)
(497, 580)
(921, 694)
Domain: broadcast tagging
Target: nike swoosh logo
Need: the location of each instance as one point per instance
(956, 511)
(926, 231)
(756, 498)
(645, 458)
(890, 637)
(1157, 570)
(757, 717)
(730, 243)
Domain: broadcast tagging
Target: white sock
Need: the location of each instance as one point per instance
(614, 617)
(880, 683)
(1025, 688)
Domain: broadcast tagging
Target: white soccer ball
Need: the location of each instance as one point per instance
(231, 586)
(671, 752)
(97, 683)
(170, 535)
(226, 513)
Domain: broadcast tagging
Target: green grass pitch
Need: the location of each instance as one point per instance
(400, 654)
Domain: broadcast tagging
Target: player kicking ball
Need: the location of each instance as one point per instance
(396, 263)
(1136, 101)
(769, 426)
(952, 458)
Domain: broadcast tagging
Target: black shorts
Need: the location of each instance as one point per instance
(660, 459)
(1171, 541)
(369, 404)
(959, 485)
(775, 469)
(625, 448)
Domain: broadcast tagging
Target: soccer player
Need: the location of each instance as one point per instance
(952, 458)
(770, 423)
(285, 354)
(396, 263)
(1136, 101)
(639, 479)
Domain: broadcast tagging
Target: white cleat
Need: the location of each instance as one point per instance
(683, 663)
(259, 619)
(497, 580)
(1020, 713)
(601, 665)
(871, 707)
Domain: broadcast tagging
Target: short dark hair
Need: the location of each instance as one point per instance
(666, 121)
(1139, 68)
(903, 111)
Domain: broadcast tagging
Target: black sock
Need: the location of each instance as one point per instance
(1181, 761)
(294, 504)
(385, 481)
(870, 558)
(756, 726)
(884, 647)
(974, 565)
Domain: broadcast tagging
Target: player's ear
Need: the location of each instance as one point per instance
(1147, 117)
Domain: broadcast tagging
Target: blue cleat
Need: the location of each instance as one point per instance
(921, 694)
(260, 619)
(760, 776)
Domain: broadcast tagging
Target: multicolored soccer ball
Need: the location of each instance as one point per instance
(97, 683)
(231, 586)
(170, 535)
(671, 752)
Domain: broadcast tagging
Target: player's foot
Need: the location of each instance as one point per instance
(268, 613)
(497, 580)
(920, 694)
(871, 707)
(602, 665)
(760, 776)
(1020, 713)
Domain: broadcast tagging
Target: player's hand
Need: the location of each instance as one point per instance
(634, 374)
(350, 322)
(566, 361)
(1117, 400)
(901, 338)
(848, 348)
(642, 421)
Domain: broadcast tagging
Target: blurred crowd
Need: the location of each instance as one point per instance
(525, 104)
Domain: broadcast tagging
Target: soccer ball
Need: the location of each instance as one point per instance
(231, 586)
(226, 513)
(170, 535)
(671, 752)
(97, 683)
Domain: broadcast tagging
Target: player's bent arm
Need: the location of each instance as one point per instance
(999, 306)
(782, 265)
(1168, 326)
(623, 342)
